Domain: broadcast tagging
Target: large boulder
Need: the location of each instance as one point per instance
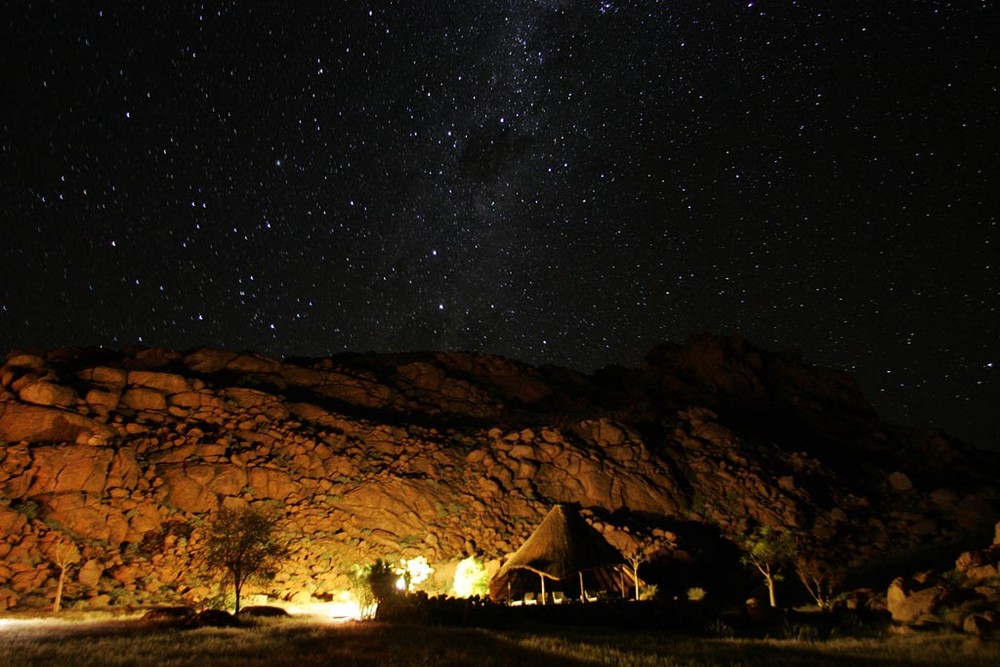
(899, 481)
(186, 487)
(981, 625)
(25, 360)
(980, 565)
(90, 573)
(908, 604)
(35, 423)
(59, 469)
(167, 383)
(143, 398)
(84, 515)
(104, 376)
(47, 393)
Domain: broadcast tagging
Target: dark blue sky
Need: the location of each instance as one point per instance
(557, 181)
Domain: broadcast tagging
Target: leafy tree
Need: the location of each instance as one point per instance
(471, 578)
(768, 550)
(244, 543)
(360, 577)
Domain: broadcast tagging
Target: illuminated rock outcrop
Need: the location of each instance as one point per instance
(445, 455)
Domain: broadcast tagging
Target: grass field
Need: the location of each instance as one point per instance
(305, 641)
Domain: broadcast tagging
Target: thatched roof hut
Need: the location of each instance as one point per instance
(563, 548)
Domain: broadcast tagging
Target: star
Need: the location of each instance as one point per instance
(562, 183)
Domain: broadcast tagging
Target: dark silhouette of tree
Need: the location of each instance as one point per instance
(382, 580)
(245, 543)
(374, 585)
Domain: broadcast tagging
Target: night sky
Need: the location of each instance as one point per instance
(557, 181)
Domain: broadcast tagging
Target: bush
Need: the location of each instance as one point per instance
(361, 585)
(223, 601)
(471, 579)
(696, 594)
(29, 508)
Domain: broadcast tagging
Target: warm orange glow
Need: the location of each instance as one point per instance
(16, 624)
(344, 607)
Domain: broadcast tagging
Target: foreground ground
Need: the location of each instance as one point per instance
(312, 641)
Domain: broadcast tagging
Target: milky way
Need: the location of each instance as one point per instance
(560, 182)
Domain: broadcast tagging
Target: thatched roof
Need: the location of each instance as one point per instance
(562, 545)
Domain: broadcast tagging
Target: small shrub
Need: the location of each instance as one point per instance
(648, 592)
(29, 508)
(223, 601)
(696, 594)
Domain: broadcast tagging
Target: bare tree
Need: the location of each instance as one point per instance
(245, 544)
(64, 554)
(821, 573)
(768, 550)
(645, 548)
(635, 559)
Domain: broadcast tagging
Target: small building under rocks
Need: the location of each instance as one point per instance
(565, 558)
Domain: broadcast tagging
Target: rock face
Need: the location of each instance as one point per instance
(966, 597)
(445, 455)
(909, 604)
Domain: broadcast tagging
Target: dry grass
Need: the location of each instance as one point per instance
(665, 650)
(301, 642)
(298, 642)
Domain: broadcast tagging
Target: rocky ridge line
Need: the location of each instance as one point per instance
(446, 455)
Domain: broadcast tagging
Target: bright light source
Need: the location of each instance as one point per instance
(14, 624)
(471, 578)
(344, 607)
(413, 571)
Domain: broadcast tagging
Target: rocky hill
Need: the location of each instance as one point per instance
(124, 455)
